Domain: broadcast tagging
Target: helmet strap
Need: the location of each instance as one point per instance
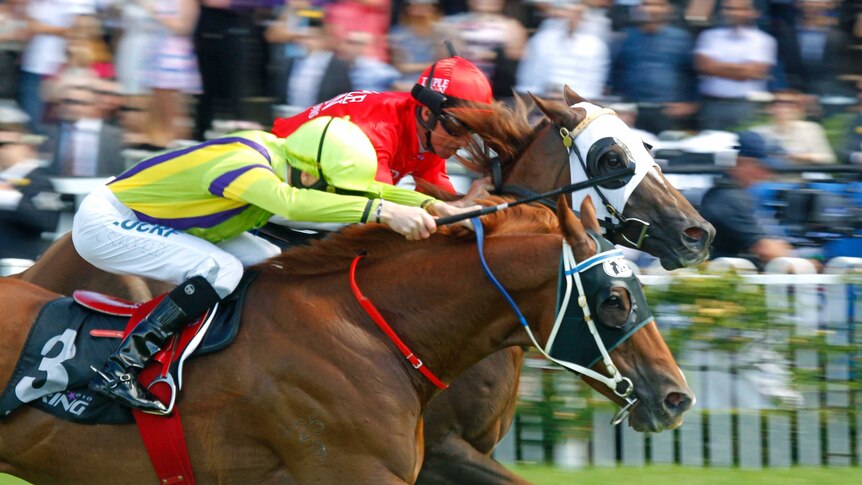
(295, 175)
(428, 125)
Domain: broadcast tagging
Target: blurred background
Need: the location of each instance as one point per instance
(767, 333)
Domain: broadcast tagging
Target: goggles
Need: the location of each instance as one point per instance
(453, 126)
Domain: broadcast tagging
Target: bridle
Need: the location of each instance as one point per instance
(571, 276)
(620, 225)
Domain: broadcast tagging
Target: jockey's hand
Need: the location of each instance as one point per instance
(442, 209)
(479, 189)
(414, 223)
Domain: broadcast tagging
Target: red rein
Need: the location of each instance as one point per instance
(381, 322)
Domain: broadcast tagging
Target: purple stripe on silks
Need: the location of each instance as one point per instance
(184, 223)
(218, 185)
(164, 157)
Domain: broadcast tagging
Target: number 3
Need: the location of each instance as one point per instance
(57, 378)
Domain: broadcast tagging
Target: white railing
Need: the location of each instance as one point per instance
(746, 415)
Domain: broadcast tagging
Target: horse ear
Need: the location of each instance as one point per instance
(523, 101)
(571, 226)
(588, 215)
(571, 96)
(558, 113)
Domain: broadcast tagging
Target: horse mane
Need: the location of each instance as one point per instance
(506, 130)
(335, 252)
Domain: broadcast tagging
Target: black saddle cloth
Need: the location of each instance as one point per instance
(53, 370)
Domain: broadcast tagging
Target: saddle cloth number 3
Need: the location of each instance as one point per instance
(57, 378)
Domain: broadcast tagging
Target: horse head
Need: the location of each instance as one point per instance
(579, 140)
(639, 373)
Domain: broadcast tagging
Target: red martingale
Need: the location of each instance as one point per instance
(381, 322)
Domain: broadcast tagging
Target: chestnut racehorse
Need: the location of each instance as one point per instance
(311, 390)
(464, 424)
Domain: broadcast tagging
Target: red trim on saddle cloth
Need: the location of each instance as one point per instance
(381, 322)
(102, 333)
(101, 303)
(163, 435)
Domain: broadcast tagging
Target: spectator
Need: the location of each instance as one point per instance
(372, 16)
(597, 20)
(814, 51)
(734, 62)
(493, 41)
(318, 76)
(804, 142)
(653, 67)
(135, 48)
(87, 60)
(224, 44)
(28, 204)
(853, 139)
(366, 72)
(731, 208)
(13, 34)
(84, 144)
(173, 73)
(284, 32)
(49, 23)
(559, 53)
(415, 41)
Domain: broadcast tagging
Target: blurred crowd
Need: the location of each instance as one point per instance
(84, 82)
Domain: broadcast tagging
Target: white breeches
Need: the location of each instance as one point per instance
(109, 235)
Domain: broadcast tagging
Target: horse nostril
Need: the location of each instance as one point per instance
(677, 403)
(693, 234)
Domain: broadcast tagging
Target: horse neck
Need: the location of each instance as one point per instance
(453, 316)
(543, 165)
(442, 305)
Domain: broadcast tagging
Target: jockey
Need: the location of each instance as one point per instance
(182, 217)
(412, 132)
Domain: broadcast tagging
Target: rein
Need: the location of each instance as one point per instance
(621, 386)
(568, 138)
(384, 326)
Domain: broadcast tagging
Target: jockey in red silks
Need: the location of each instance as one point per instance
(411, 132)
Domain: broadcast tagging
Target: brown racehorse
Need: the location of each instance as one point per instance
(464, 424)
(311, 391)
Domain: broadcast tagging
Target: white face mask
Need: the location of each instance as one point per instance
(603, 127)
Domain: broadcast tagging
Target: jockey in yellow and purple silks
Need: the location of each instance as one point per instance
(183, 216)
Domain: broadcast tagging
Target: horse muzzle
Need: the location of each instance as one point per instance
(655, 415)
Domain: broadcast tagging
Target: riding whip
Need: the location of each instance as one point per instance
(592, 182)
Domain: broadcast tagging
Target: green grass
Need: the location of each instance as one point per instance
(669, 475)
(666, 475)
(10, 480)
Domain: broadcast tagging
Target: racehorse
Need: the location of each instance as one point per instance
(465, 423)
(311, 391)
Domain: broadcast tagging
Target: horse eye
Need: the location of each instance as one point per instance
(614, 160)
(614, 302)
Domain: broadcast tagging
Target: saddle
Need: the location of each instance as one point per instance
(72, 334)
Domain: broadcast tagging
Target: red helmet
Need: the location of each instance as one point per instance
(457, 79)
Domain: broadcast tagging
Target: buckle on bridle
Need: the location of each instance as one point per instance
(624, 412)
(641, 232)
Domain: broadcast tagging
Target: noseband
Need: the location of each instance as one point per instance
(623, 226)
(572, 270)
